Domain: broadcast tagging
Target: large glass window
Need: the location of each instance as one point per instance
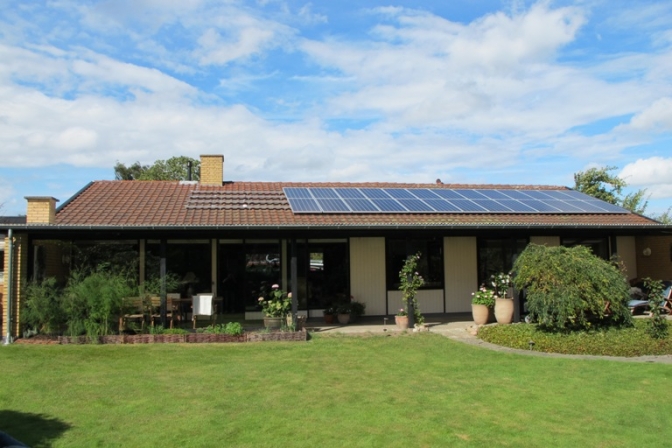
(497, 255)
(189, 262)
(430, 265)
(248, 271)
(599, 246)
(323, 274)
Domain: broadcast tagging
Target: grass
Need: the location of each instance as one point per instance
(420, 390)
(633, 341)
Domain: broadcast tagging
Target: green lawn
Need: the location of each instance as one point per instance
(420, 390)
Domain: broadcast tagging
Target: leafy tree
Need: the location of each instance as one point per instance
(665, 218)
(174, 168)
(599, 183)
(571, 289)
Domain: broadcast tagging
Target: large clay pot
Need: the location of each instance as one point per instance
(343, 319)
(402, 322)
(480, 314)
(504, 311)
(273, 323)
(328, 318)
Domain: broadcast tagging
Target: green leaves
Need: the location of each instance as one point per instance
(570, 288)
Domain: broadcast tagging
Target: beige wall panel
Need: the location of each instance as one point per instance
(658, 263)
(550, 241)
(367, 273)
(461, 272)
(626, 247)
(429, 300)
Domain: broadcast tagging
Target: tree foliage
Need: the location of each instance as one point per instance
(599, 183)
(571, 289)
(174, 168)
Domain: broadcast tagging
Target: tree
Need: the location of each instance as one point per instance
(174, 168)
(597, 182)
(569, 288)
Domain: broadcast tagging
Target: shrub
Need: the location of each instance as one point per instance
(571, 289)
(42, 309)
(658, 328)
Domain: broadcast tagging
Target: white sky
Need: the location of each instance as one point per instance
(484, 92)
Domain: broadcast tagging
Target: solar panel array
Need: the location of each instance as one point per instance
(442, 200)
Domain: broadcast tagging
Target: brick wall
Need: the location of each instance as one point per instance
(20, 268)
(41, 210)
(212, 170)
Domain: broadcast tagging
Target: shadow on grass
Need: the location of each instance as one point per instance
(34, 430)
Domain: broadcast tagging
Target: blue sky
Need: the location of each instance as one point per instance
(468, 91)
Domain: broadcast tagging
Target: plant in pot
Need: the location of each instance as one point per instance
(401, 319)
(343, 312)
(481, 303)
(503, 301)
(410, 281)
(275, 307)
(357, 309)
(329, 315)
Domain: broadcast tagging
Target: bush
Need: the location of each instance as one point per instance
(42, 309)
(231, 328)
(570, 288)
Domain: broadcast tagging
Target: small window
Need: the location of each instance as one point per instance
(599, 246)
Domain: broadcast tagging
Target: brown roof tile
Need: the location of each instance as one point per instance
(166, 203)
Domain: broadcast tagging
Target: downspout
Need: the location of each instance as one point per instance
(10, 289)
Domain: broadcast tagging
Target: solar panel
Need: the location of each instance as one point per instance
(333, 205)
(471, 194)
(389, 205)
(442, 200)
(361, 205)
(441, 206)
(415, 205)
(301, 205)
(297, 193)
(398, 193)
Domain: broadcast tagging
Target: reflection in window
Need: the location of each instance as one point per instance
(599, 246)
(189, 262)
(497, 255)
(430, 265)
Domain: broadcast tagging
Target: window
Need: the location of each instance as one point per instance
(497, 255)
(2, 261)
(430, 266)
(599, 246)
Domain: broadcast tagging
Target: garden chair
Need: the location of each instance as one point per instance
(155, 308)
(665, 305)
(136, 311)
(203, 306)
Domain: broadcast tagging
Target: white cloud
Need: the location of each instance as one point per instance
(657, 117)
(654, 174)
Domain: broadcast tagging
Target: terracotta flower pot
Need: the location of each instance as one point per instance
(273, 323)
(504, 311)
(402, 322)
(480, 314)
(343, 319)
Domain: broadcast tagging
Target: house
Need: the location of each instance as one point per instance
(325, 241)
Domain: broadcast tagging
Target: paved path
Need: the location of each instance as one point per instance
(462, 331)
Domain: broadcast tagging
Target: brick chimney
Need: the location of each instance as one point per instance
(212, 170)
(41, 210)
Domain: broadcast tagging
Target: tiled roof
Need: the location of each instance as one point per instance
(166, 203)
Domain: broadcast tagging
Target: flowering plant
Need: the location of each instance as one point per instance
(484, 296)
(501, 282)
(401, 312)
(277, 304)
(410, 280)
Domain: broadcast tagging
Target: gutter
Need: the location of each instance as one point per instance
(10, 290)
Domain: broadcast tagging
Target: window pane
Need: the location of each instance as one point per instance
(599, 246)
(497, 255)
(430, 265)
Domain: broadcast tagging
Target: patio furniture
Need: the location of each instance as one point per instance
(641, 305)
(155, 307)
(136, 311)
(203, 306)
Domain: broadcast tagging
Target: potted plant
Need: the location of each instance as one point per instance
(401, 319)
(409, 283)
(343, 311)
(481, 303)
(357, 309)
(329, 315)
(503, 301)
(275, 307)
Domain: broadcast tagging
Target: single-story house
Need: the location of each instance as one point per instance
(327, 241)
